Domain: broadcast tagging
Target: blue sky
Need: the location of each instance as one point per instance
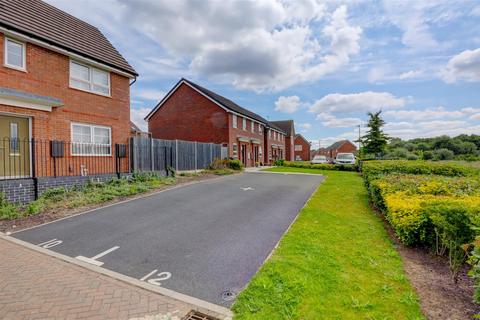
(324, 64)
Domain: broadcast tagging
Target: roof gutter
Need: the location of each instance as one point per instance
(23, 37)
(134, 80)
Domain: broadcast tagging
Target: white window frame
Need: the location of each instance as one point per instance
(90, 83)
(234, 121)
(234, 150)
(24, 55)
(298, 147)
(252, 125)
(91, 126)
(260, 128)
(244, 124)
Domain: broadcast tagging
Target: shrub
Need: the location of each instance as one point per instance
(7, 209)
(474, 260)
(375, 168)
(453, 228)
(218, 164)
(234, 164)
(443, 154)
(427, 155)
(326, 166)
(279, 162)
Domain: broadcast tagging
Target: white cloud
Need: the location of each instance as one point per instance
(357, 102)
(463, 66)
(410, 74)
(148, 94)
(475, 116)
(428, 113)
(304, 126)
(257, 45)
(330, 121)
(137, 115)
(287, 104)
(412, 18)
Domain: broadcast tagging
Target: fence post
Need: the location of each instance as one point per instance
(34, 170)
(176, 155)
(195, 144)
(117, 160)
(165, 161)
(152, 162)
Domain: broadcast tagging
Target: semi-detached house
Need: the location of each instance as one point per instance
(60, 80)
(193, 113)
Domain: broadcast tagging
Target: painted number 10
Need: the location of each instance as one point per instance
(50, 243)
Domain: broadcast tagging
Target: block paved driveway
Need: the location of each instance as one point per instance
(202, 240)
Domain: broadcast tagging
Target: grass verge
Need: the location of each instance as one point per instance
(336, 262)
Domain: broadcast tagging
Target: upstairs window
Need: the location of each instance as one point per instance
(15, 54)
(259, 128)
(253, 126)
(89, 79)
(244, 124)
(298, 147)
(234, 121)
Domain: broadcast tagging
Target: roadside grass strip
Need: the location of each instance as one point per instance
(336, 262)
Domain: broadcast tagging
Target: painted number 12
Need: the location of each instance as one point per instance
(156, 278)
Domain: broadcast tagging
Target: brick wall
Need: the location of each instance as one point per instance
(235, 133)
(187, 115)
(23, 190)
(273, 153)
(48, 75)
(304, 154)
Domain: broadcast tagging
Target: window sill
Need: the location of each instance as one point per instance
(15, 68)
(92, 92)
(91, 155)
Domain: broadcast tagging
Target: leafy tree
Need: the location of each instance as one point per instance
(375, 140)
(443, 154)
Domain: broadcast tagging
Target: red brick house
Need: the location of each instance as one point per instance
(302, 148)
(193, 113)
(60, 79)
(343, 146)
(287, 126)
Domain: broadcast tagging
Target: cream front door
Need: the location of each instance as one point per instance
(14, 147)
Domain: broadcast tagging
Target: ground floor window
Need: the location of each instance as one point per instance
(91, 140)
(235, 150)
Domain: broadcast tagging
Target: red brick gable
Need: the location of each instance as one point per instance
(188, 115)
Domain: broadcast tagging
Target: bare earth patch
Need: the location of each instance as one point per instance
(440, 297)
(62, 212)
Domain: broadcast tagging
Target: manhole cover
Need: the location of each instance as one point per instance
(228, 295)
(195, 315)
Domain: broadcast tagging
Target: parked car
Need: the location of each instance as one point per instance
(345, 158)
(319, 160)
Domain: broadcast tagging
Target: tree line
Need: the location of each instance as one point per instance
(376, 144)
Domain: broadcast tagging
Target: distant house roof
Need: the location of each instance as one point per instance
(220, 100)
(44, 22)
(134, 127)
(301, 137)
(337, 144)
(285, 125)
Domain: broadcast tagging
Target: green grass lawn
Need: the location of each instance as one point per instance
(336, 262)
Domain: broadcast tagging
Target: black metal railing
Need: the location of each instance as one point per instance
(54, 158)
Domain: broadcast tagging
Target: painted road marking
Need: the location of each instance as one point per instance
(94, 260)
(50, 243)
(162, 276)
(247, 188)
